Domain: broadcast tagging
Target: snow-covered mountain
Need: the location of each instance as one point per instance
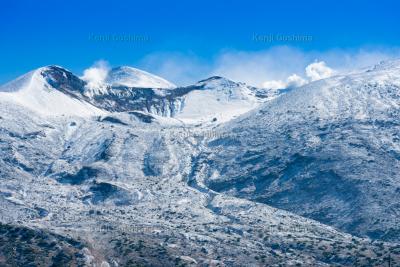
(129, 89)
(132, 77)
(42, 91)
(308, 177)
(215, 98)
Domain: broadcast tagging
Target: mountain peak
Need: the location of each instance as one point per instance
(133, 77)
(50, 90)
(217, 81)
(53, 67)
(215, 78)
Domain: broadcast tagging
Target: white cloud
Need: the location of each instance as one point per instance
(274, 84)
(292, 81)
(255, 68)
(318, 70)
(96, 74)
(295, 80)
(272, 66)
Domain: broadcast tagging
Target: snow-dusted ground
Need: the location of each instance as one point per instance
(138, 188)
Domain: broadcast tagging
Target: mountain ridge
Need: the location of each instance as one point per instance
(221, 95)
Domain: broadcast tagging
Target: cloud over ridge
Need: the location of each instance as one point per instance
(274, 67)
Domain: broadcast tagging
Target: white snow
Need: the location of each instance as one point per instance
(132, 77)
(206, 105)
(33, 92)
(220, 98)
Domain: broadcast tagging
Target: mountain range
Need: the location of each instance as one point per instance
(136, 171)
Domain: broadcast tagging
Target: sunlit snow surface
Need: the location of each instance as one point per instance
(132, 77)
(34, 92)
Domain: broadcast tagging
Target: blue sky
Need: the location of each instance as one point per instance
(189, 39)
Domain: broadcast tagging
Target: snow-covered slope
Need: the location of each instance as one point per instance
(35, 91)
(126, 192)
(219, 99)
(132, 77)
(329, 151)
